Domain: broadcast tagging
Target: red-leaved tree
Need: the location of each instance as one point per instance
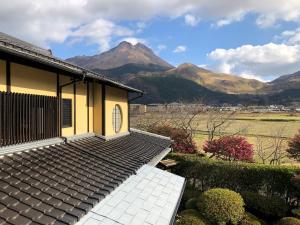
(294, 147)
(182, 140)
(231, 148)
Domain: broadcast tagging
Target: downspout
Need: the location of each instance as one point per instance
(130, 100)
(74, 81)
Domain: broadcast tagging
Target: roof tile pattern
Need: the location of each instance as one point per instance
(57, 185)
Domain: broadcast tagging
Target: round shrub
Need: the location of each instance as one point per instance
(296, 212)
(190, 217)
(189, 193)
(289, 221)
(250, 219)
(266, 206)
(221, 206)
(191, 203)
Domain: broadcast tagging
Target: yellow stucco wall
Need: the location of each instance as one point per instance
(25, 79)
(91, 109)
(2, 75)
(67, 92)
(81, 108)
(115, 96)
(29, 80)
(97, 112)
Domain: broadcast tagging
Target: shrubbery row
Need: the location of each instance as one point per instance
(204, 173)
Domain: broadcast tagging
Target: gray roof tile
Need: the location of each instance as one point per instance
(59, 184)
(136, 207)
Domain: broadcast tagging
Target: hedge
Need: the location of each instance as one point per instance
(204, 173)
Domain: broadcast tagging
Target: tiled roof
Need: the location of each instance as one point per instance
(148, 198)
(59, 184)
(26, 50)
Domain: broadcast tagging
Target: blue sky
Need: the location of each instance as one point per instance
(249, 38)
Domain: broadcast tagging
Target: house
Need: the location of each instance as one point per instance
(67, 152)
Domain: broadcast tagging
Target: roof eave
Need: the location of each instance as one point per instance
(60, 64)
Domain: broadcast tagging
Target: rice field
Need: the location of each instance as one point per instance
(254, 126)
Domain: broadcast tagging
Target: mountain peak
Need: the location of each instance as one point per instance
(124, 53)
(124, 44)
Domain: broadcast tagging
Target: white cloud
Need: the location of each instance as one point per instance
(262, 60)
(43, 22)
(290, 36)
(251, 76)
(99, 31)
(161, 47)
(191, 20)
(134, 40)
(180, 49)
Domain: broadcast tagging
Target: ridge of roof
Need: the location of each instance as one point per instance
(21, 48)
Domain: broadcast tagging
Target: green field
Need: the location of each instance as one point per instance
(254, 126)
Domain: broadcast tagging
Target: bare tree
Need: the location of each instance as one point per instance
(264, 148)
(278, 146)
(217, 122)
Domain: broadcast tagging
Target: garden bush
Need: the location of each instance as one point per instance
(183, 140)
(289, 221)
(250, 219)
(191, 203)
(294, 147)
(189, 193)
(296, 212)
(230, 148)
(190, 217)
(204, 173)
(221, 206)
(269, 207)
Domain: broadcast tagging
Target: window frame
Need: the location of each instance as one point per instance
(70, 122)
(114, 118)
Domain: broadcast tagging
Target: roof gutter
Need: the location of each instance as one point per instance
(60, 64)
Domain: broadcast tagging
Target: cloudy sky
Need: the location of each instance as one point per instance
(249, 38)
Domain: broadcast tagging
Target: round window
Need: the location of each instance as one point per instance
(117, 118)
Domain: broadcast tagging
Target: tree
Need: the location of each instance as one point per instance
(217, 122)
(230, 148)
(294, 147)
(182, 140)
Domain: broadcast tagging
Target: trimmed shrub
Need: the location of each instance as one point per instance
(250, 219)
(191, 203)
(296, 212)
(190, 217)
(269, 207)
(230, 148)
(221, 206)
(289, 221)
(183, 141)
(207, 173)
(189, 193)
(294, 147)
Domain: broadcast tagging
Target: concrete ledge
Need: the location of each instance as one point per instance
(79, 136)
(30, 145)
(159, 157)
(149, 133)
(112, 137)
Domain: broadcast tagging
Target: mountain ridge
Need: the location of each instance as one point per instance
(138, 66)
(124, 53)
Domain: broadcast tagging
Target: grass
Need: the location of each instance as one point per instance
(250, 125)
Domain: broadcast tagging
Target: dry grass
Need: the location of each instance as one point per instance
(250, 125)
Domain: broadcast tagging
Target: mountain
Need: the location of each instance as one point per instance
(124, 53)
(137, 66)
(217, 81)
(285, 82)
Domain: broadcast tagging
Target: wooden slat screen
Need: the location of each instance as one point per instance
(25, 117)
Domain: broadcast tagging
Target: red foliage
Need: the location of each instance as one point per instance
(183, 141)
(294, 147)
(232, 148)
